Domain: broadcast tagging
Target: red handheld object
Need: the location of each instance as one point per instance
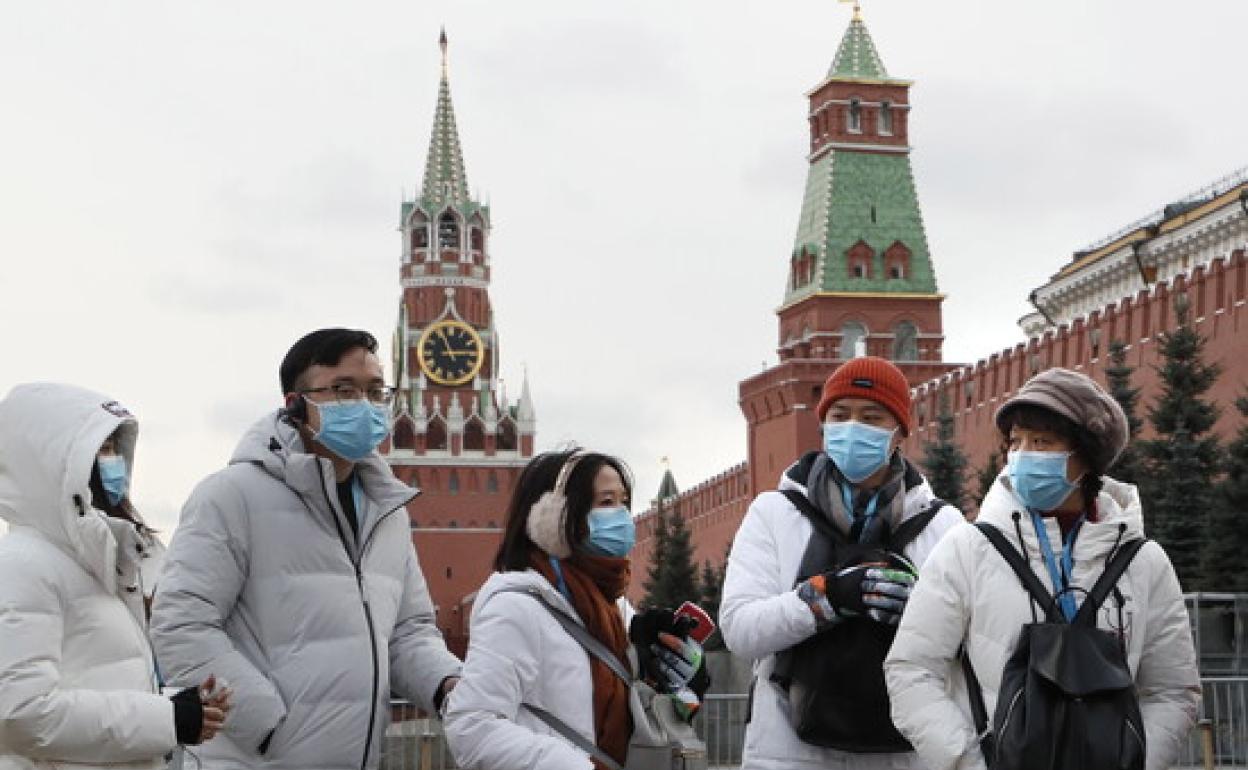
(702, 626)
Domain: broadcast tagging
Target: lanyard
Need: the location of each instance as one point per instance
(563, 586)
(847, 494)
(1061, 578)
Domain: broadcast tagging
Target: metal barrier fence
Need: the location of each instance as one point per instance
(416, 743)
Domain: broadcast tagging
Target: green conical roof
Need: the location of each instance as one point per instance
(857, 57)
(667, 487)
(445, 178)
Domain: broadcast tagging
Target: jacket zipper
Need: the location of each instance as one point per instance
(368, 612)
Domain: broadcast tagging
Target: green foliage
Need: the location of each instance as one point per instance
(1182, 461)
(944, 460)
(672, 577)
(987, 475)
(1129, 466)
(1223, 562)
(710, 588)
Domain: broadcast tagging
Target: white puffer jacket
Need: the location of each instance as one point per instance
(77, 684)
(761, 615)
(969, 592)
(519, 654)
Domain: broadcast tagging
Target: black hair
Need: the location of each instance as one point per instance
(324, 347)
(1083, 442)
(122, 509)
(539, 477)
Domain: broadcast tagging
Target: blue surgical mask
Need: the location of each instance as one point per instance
(352, 429)
(114, 476)
(1039, 478)
(611, 532)
(857, 449)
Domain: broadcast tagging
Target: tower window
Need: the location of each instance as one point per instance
(886, 118)
(859, 270)
(420, 237)
(896, 271)
(853, 340)
(448, 231)
(478, 239)
(854, 122)
(905, 342)
(452, 486)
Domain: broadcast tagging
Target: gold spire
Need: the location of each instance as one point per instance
(857, 9)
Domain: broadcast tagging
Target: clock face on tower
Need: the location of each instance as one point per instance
(451, 352)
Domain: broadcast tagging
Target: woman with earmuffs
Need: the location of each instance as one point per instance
(78, 682)
(531, 695)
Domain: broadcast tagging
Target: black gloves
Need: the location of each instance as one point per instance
(670, 660)
(873, 590)
(188, 715)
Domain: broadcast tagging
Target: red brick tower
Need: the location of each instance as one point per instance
(455, 437)
(860, 275)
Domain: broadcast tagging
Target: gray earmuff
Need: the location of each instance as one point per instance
(547, 523)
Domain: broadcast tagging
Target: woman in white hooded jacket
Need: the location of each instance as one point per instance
(1062, 431)
(78, 683)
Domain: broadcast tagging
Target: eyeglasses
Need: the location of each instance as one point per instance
(377, 394)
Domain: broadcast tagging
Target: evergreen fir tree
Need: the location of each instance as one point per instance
(1129, 467)
(1182, 460)
(656, 592)
(679, 574)
(710, 588)
(1223, 564)
(944, 460)
(987, 475)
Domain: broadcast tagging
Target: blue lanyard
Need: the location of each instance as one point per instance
(1061, 578)
(847, 495)
(563, 586)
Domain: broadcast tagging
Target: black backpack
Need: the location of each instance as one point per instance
(835, 679)
(1067, 699)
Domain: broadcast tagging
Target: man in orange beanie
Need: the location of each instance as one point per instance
(819, 575)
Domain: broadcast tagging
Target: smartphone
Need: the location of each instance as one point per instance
(702, 625)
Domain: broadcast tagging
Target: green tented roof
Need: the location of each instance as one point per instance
(857, 57)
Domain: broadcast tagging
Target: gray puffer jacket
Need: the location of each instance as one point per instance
(265, 586)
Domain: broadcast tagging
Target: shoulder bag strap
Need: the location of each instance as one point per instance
(979, 710)
(909, 529)
(580, 634)
(1106, 582)
(817, 519)
(1022, 569)
(573, 737)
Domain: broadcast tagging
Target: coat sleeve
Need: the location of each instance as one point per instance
(759, 615)
(924, 653)
(42, 720)
(1167, 678)
(504, 659)
(204, 572)
(419, 660)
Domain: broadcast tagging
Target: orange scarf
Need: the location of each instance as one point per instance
(595, 582)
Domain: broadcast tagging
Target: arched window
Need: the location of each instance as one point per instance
(435, 435)
(474, 435)
(507, 435)
(886, 118)
(897, 261)
(905, 342)
(858, 260)
(854, 117)
(853, 339)
(448, 231)
(478, 238)
(404, 433)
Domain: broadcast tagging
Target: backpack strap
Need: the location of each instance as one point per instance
(817, 519)
(979, 711)
(1022, 569)
(1107, 581)
(909, 529)
(573, 737)
(579, 633)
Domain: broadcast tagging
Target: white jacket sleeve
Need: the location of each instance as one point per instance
(759, 614)
(203, 574)
(924, 653)
(43, 721)
(504, 659)
(419, 660)
(1167, 679)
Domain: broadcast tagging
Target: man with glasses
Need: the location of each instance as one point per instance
(292, 575)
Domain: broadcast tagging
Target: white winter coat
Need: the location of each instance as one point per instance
(518, 654)
(77, 684)
(761, 614)
(968, 592)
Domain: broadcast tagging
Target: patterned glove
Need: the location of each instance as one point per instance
(874, 590)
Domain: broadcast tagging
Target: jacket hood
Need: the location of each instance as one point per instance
(50, 435)
(276, 446)
(1120, 514)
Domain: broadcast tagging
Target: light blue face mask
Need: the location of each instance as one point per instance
(114, 476)
(1039, 478)
(352, 429)
(611, 532)
(857, 449)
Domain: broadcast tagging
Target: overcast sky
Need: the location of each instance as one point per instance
(185, 188)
